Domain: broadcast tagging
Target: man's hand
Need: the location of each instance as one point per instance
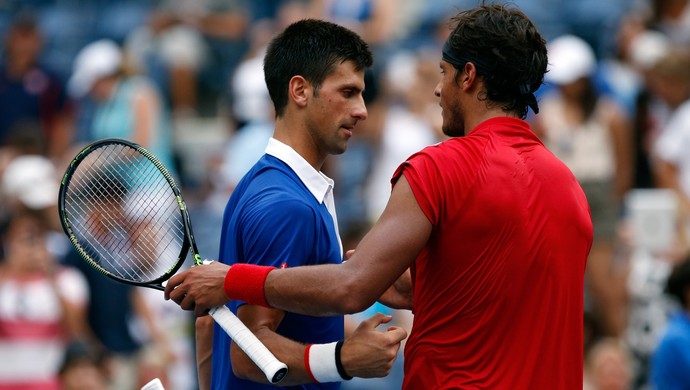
(369, 353)
(199, 288)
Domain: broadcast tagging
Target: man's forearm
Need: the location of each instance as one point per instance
(326, 289)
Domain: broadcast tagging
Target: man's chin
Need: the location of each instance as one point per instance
(339, 149)
(453, 131)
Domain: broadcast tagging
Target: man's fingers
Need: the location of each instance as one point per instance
(396, 334)
(175, 295)
(186, 302)
(175, 281)
(376, 320)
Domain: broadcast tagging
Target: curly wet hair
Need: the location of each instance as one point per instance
(510, 46)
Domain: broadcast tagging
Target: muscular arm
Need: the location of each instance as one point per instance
(366, 353)
(263, 322)
(380, 259)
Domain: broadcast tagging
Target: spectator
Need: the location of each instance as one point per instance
(652, 105)
(671, 17)
(127, 106)
(224, 25)
(172, 53)
(672, 76)
(82, 369)
(671, 360)
(31, 96)
(374, 20)
(113, 309)
(30, 182)
(41, 306)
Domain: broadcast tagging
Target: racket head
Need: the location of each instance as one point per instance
(124, 213)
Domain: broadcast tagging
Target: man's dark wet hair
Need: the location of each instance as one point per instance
(312, 49)
(507, 50)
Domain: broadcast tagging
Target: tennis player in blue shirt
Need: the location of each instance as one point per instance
(282, 214)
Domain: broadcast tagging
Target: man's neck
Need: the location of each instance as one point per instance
(475, 120)
(298, 140)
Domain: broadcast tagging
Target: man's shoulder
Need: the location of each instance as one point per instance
(268, 174)
(273, 190)
(451, 148)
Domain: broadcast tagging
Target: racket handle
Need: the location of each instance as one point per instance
(274, 369)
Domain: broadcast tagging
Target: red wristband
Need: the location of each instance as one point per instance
(307, 367)
(245, 282)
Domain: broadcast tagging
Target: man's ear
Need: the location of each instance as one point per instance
(299, 90)
(469, 76)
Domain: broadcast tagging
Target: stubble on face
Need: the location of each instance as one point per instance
(452, 110)
(453, 125)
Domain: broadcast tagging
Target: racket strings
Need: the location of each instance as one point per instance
(125, 214)
(153, 210)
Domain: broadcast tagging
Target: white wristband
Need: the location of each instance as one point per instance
(321, 362)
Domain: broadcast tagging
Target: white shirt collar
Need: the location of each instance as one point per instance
(317, 183)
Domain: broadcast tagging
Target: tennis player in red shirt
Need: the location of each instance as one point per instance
(493, 229)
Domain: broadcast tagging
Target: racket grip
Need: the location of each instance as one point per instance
(274, 369)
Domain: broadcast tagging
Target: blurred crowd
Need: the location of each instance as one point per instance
(185, 80)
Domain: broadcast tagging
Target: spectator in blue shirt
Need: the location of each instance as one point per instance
(670, 366)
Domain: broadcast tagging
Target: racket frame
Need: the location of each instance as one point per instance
(188, 240)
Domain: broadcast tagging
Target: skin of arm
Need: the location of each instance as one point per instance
(399, 295)
(621, 135)
(263, 322)
(204, 350)
(382, 256)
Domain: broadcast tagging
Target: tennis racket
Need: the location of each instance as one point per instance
(124, 214)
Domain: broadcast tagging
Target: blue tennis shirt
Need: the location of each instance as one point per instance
(277, 216)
